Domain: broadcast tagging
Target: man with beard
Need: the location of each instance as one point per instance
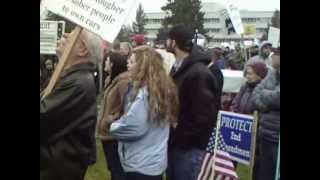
(265, 52)
(197, 89)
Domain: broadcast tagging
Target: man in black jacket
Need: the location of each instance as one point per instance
(68, 115)
(197, 89)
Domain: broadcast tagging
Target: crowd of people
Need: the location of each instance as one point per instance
(158, 109)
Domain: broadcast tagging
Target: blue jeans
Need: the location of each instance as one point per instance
(184, 164)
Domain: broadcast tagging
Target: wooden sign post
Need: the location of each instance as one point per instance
(277, 176)
(253, 143)
(62, 61)
(244, 48)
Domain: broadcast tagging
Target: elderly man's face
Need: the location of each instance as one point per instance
(79, 48)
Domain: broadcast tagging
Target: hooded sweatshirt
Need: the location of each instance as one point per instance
(199, 103)
(268, 59)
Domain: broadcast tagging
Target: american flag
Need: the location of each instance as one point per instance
(223, 167)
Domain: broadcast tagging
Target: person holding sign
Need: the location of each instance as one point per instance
(255, 71)
(266, 98)
(150, 107)
(68, 114)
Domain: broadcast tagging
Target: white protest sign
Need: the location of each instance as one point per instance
(233, 80)
(248, 43)
(274, 36)
(43, 10)
(103, 17)
(234, 15)
(48, 37)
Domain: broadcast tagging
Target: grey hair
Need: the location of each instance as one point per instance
(93, 43)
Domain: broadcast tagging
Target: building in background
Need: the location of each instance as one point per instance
(215, 15)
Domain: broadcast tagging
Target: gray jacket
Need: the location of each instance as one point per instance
(142, 145)
(266, 98)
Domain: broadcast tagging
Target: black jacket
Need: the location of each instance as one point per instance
(220, 80)
(198, 95)
(67, 120)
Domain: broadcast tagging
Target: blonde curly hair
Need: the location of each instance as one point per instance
(162, 92)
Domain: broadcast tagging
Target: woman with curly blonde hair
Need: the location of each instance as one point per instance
(151, 106)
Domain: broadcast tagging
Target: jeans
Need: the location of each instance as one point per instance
(113, 162)
(184, 164)
(268, 160)
(138, 176)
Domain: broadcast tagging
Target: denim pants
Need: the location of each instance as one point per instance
(184, 164)
(138, 176)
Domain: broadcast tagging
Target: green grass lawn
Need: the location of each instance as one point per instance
(99, 170)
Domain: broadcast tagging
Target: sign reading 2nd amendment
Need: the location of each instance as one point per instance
(236, 130)
(48, 37)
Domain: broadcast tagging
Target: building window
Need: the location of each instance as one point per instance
(214, 30)
(251, 20)
(212, 20)
(154, 21)
(261, 30)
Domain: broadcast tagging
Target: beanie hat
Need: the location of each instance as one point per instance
(138, 38)
(258, 66)
(218, 51)
(183, 37)
(265, 43)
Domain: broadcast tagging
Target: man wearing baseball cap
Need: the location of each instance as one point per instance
(137, 40)
(197, 89)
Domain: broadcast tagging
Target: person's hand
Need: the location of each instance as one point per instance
(103, 127)
(105, 138)
(105, 123)
(174, 125)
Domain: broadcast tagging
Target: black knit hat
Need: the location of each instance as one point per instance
(183, 37)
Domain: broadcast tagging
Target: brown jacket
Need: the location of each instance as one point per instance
(112, 103)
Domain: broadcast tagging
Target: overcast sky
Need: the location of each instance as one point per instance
(155, 5)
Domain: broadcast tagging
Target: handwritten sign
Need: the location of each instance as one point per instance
(48, 37)
(50, 32)
(249, 29)
(236, 130)
(234, 15)
(274, 36)
(103, 17)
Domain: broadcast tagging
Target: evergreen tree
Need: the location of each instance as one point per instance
(186, 12)
(125, 33)
(138, 25)
(276, 19)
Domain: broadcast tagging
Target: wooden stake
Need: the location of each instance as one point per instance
(62, 62)
(244, 48)
(253, 143)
